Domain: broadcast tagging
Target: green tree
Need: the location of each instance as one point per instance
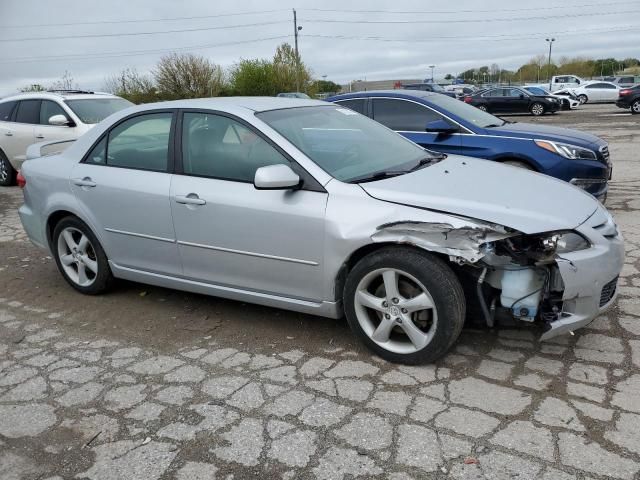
(253, 77)
(327, 86)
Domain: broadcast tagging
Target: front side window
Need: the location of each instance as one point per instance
(401, 115)
(94, 110)
(348, 146)
(6, 109)
(220, 147)
(48, 109)
(465, 112)
(140, 142)
(355, 104)
(28, 112)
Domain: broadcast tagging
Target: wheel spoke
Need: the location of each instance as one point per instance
(417, 336)
(390, 278)
(420, 302)
(68, 238)
(90, 264)
(67, 259)
(82, 274)
(370, 301)
(382, 332)
(82, 244)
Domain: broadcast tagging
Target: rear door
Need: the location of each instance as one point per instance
(21, 132)
(6, 126)
(122, 186)
(410, 119)
(45, 132)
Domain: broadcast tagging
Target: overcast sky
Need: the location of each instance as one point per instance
(341, 44)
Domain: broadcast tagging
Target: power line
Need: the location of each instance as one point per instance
(512, 19)
(500, 37)
(437, 12)
(168, 19)
(83, 56)
(132, 34)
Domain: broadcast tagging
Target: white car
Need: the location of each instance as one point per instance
(47, 116)
(597, 92)
(568, 103)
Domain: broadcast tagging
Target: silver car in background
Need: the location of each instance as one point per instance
(307, 206)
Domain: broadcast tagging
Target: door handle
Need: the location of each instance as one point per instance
(84, 182)
(40, 136)
(9, 134)
(191, 199)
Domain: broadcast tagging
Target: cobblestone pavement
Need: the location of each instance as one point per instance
(83, 401)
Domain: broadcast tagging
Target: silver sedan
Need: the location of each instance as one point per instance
(307, 206)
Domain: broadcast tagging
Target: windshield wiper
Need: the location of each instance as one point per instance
(428, 161)
(377, 176)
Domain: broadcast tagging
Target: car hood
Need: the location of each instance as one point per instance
(510, 196)
(545, 132)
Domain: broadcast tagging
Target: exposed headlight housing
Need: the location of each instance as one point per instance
(572, 152)
(564, 242)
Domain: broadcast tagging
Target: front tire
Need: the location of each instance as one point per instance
(483, 108)
(80, 257)
(404, 304)
(7, 172)
(537, 109)
(583, 99)
(635, 107)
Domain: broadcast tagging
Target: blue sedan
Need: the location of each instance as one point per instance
(440, 123)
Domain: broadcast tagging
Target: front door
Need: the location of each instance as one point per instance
(123, 188)
(231, 234)
(410, 119)
(45, 132)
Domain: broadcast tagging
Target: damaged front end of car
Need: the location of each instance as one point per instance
(513, 277)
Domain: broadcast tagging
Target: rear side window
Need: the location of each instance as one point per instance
(28, 112)
(141, 143)
(6, 109)
(355, 104)
(402, 115)
(48, 109)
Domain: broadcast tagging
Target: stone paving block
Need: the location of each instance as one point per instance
(235, 360)
(197, 471)
(120, 398)
(526, 438)
(533, 381)
(418, 447)
(218, 355)
(395, 377)
(558, 413)
(294, 449)
(495, 370)
(586, 373)
(630, 324)
(627, 433)
(466, 422)
(18, 375)
(595, 394)
(156, 365)
(146, 412)
(285, 374)
(81, 395)
(422, 373)
(453, 447)
(324, 413)
(246, 441)
(224, 385)
(367, 431)
(291, 403)
(337, 462)
(501, 466)
(627, 394)
(436, 390)
(293, 356)
(594, 411)
(545, 365)
(578, 452)
(504, 355)
(351, 368)
(33, 389)
(87, 427)
(314, 366)
(247, 398)
(424, 409)
(325, 385)
(26, 420)
(186, 374)
(356, 390)
(175, 395)
(390, 402)
(76, 374)
(473, 392)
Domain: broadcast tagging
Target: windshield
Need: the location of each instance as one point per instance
(465, 111)
(94, 110)
(346, 145)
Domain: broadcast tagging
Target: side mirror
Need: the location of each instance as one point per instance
(440, 126)
(276, 177)
(59, 120)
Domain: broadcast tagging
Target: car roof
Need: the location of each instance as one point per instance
(58, 95)
(256, 104)
(398, 92)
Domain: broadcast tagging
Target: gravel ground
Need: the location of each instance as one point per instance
(147, 383)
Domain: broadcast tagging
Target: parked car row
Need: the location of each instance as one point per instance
(314, 207)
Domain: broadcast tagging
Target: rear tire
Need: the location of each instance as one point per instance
(537, 109)
(404, 304)
(483, 108)
(80, 257)
(635, 107)
(583, 99)
(7, 172)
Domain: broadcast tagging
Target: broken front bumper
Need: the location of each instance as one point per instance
(590, 276)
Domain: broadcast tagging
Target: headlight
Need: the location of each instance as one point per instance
(572, 152)
(565, 242)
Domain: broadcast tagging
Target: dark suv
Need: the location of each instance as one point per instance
(513, 100)
(630, 98)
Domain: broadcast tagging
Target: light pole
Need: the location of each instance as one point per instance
(550, 40)
(432, 67)
(296, 29)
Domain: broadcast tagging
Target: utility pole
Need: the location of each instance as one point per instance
(296, 29)
(550, 40)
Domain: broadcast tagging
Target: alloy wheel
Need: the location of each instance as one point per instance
(483, 108)
(77, 256)
(395, 310)
(635, 108)
(4, 170)
(537, 109)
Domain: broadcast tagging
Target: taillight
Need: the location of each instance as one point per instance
(467, 99)
(625, 92)
(22, 182)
